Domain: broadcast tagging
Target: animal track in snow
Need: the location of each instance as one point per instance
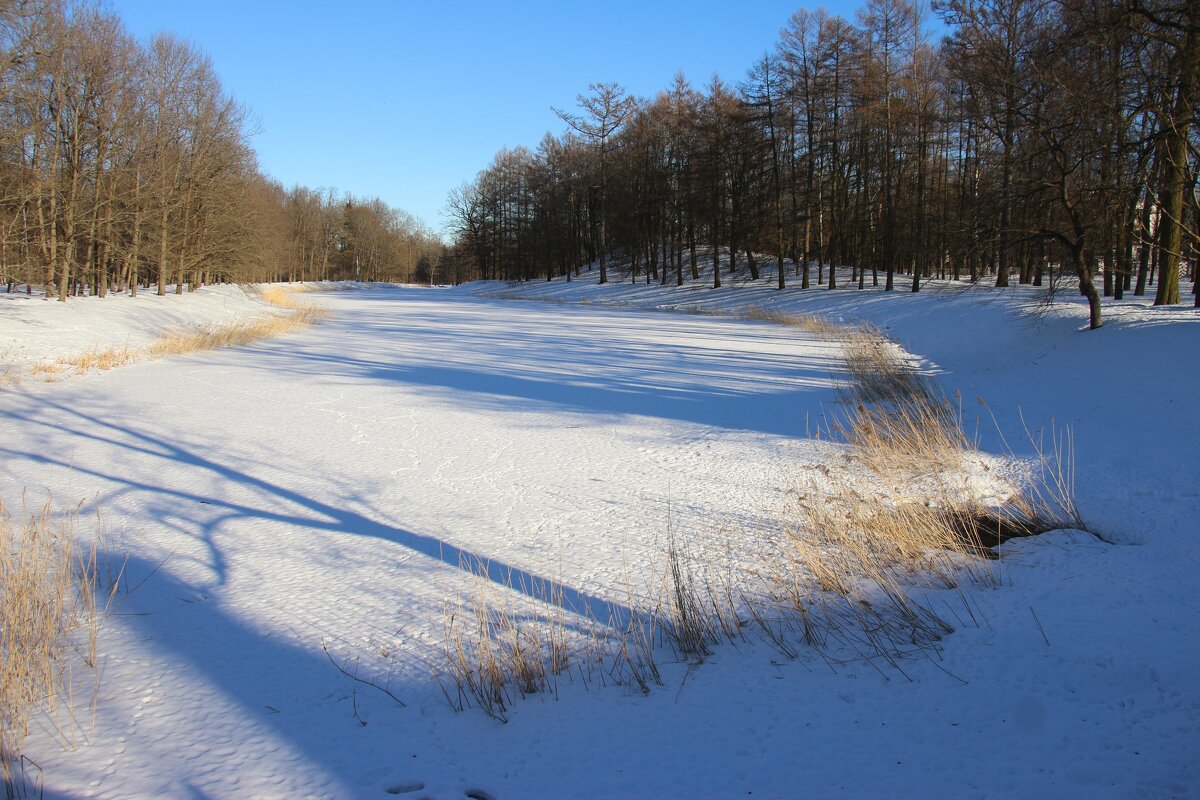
(405, 788)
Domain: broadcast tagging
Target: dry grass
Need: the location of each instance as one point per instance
(700, 606)
(908, 511)
(190, 340)
(235, 334)
(493, 649)
(240, 333)
(106, 359)
(50, 610)
(881, 375)
(808, 322)
(692, 629)
(282, 296)
(504, 641)
(47, 369)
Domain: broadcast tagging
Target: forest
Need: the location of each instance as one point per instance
(127, 166)
(1027, 141)
(1035, 139)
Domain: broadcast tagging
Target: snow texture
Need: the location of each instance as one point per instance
(316, 492)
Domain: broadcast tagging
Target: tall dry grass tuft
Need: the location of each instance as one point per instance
(50, 608)
(503, 641)
(235, 334)
(493, 649)
(47, 369)
(879, 373)
(284, 297)
(913, 507)
(106, 359)
(700, 604)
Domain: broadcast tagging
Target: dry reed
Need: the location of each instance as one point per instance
(106, 359)
(189, 340)
(503, 641)
(493, 648)
(808, 322)
(50, 608)
(903, 514)
(242, 332)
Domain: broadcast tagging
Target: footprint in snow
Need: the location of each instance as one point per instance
(405, 788)
(479, 794)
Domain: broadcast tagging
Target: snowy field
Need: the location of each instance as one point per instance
(35, 330)
(316, 492)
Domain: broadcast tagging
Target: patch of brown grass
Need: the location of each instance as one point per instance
(242, 332)
(283, 296)
(191, 340)
(808, 322)
(493, 649)
(503, 641)
(48, 369)
(235, 334)
(50, 606)
(880, 375)
(908, 510)
(96, 358)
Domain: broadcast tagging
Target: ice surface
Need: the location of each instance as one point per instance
(316, 491)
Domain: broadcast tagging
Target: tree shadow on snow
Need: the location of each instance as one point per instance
(278, 504)
(222, 683)
(605, 362)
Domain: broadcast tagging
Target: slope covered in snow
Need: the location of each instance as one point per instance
(303, 504)
(37, 330)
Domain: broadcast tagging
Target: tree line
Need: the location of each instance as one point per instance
(127, 166)
(1037, 138)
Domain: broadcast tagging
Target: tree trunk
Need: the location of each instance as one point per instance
(1174, 170)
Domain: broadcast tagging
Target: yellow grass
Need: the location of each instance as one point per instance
(235, 334)
(242, 332)
(503, 641)
(48, 369)
(808, 322)
(101, 359)
(492, 648)
(190, 340)
(281, 296)
(49, 606)
(902, 515)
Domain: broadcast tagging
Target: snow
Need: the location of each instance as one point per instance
(316, 492)
(36, 330)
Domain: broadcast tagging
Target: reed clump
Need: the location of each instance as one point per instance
(911, 507)
(51, 605)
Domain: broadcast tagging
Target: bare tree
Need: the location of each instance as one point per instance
(605, 111)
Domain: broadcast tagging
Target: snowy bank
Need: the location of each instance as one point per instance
(313, 493)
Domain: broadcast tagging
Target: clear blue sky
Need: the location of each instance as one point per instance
(406, 100)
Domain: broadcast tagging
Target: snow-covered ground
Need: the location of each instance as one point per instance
(37, 330)
(315, 492)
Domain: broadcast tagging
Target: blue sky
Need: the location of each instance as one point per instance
(405, 100)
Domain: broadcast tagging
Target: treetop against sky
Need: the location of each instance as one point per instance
(407, 100)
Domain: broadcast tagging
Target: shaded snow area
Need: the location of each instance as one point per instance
(318, 493)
